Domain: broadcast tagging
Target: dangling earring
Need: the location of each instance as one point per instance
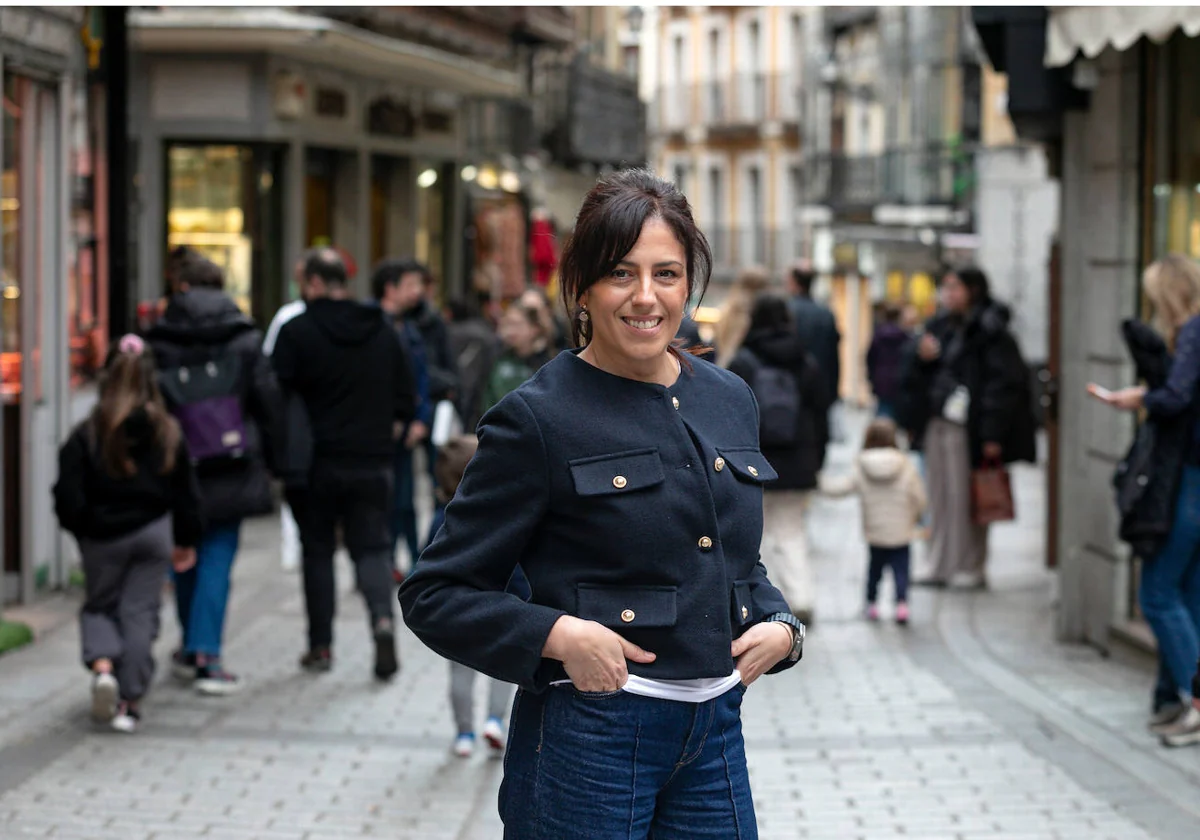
(583, 316)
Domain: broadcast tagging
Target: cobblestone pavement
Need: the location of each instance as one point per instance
(970, 723)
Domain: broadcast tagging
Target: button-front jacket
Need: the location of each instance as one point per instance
(626, 503)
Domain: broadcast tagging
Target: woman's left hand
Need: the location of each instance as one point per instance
(760, 648)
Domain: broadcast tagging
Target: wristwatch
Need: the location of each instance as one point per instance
(797, 628)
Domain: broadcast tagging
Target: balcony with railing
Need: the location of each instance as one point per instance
(736, 248)
(743, 101)
(939, 176)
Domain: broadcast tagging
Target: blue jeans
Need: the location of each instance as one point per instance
(619, 766)
(202, 592)
(897, 559)
(404, 512)
(1170, 589)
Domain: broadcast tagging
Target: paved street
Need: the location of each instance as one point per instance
(970, 723)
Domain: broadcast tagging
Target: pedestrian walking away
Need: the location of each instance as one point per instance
(966, 397)
(793, 408)
(350, 370)
(127, 493)
(818, 329)
(219, 385)
(1169, 591)
(893, 499)
(650, 612)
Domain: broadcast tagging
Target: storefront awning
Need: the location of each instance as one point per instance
(1091, 29)
(317, 39)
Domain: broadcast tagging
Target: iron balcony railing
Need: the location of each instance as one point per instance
(736, 248)
(744, 100)
(932, 176)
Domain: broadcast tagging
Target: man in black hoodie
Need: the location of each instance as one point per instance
(352, 374)
(202, 335)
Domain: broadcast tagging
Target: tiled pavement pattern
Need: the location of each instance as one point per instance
(968, 724)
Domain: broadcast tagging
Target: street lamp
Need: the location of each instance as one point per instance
(634, 16)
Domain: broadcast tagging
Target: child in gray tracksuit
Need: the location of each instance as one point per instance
(127, 492)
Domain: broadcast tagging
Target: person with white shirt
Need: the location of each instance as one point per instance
(289, 537)
(626, 481)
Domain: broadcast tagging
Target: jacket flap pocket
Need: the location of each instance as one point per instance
(622, 472)
(749, 465)
(626, 606)
(743, 609)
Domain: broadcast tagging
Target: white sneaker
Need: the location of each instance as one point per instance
(126, 720)
(493, 733)
(464, 745)
(105, 694)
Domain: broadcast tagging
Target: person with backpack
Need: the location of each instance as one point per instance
(219, 386)
(793, 408)
(127, 493)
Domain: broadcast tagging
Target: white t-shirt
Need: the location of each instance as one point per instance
(683, 691)
(286, 313)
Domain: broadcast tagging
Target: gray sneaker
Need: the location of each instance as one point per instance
(1164, 717)
(105, 695)
(1185, 731)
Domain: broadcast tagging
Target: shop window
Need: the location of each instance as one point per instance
(206, 201)
(10, 208)
(1174, 199)
(87, 280)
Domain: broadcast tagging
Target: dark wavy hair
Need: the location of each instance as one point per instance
(609, 224)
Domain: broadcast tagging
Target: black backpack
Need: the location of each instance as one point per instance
(779, 405)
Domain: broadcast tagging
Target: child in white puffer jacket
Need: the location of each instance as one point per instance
(893, 500)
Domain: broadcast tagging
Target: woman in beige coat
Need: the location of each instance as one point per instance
(893, 499)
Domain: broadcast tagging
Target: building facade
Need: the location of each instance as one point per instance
(911, 165)
(725, 124)
(1117, 113)
(56, 260)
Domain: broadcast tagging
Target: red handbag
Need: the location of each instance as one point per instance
(991, 494)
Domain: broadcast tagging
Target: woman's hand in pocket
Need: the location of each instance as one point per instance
(594, 657)
(760, 648)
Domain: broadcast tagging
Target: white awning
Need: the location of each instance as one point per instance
(314, 38)
(1091, 29)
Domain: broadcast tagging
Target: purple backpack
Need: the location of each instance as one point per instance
(206, 400)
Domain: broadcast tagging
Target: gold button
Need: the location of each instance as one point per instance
(705, 543)
(719, 464)
(619, 482)
(745, 613)
(675, 402)
(628, 616)
(752, 471)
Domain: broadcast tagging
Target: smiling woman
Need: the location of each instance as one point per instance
(651, 613)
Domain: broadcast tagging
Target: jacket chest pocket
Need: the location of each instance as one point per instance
(617, 474)
(636, 607)
(747, 464)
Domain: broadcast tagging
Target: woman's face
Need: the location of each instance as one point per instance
(516, 331)
(955, 296)
(635, 312)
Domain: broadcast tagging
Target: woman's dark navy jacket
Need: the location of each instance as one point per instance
(626, 503)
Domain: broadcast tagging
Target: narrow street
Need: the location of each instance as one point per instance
(970, 723)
